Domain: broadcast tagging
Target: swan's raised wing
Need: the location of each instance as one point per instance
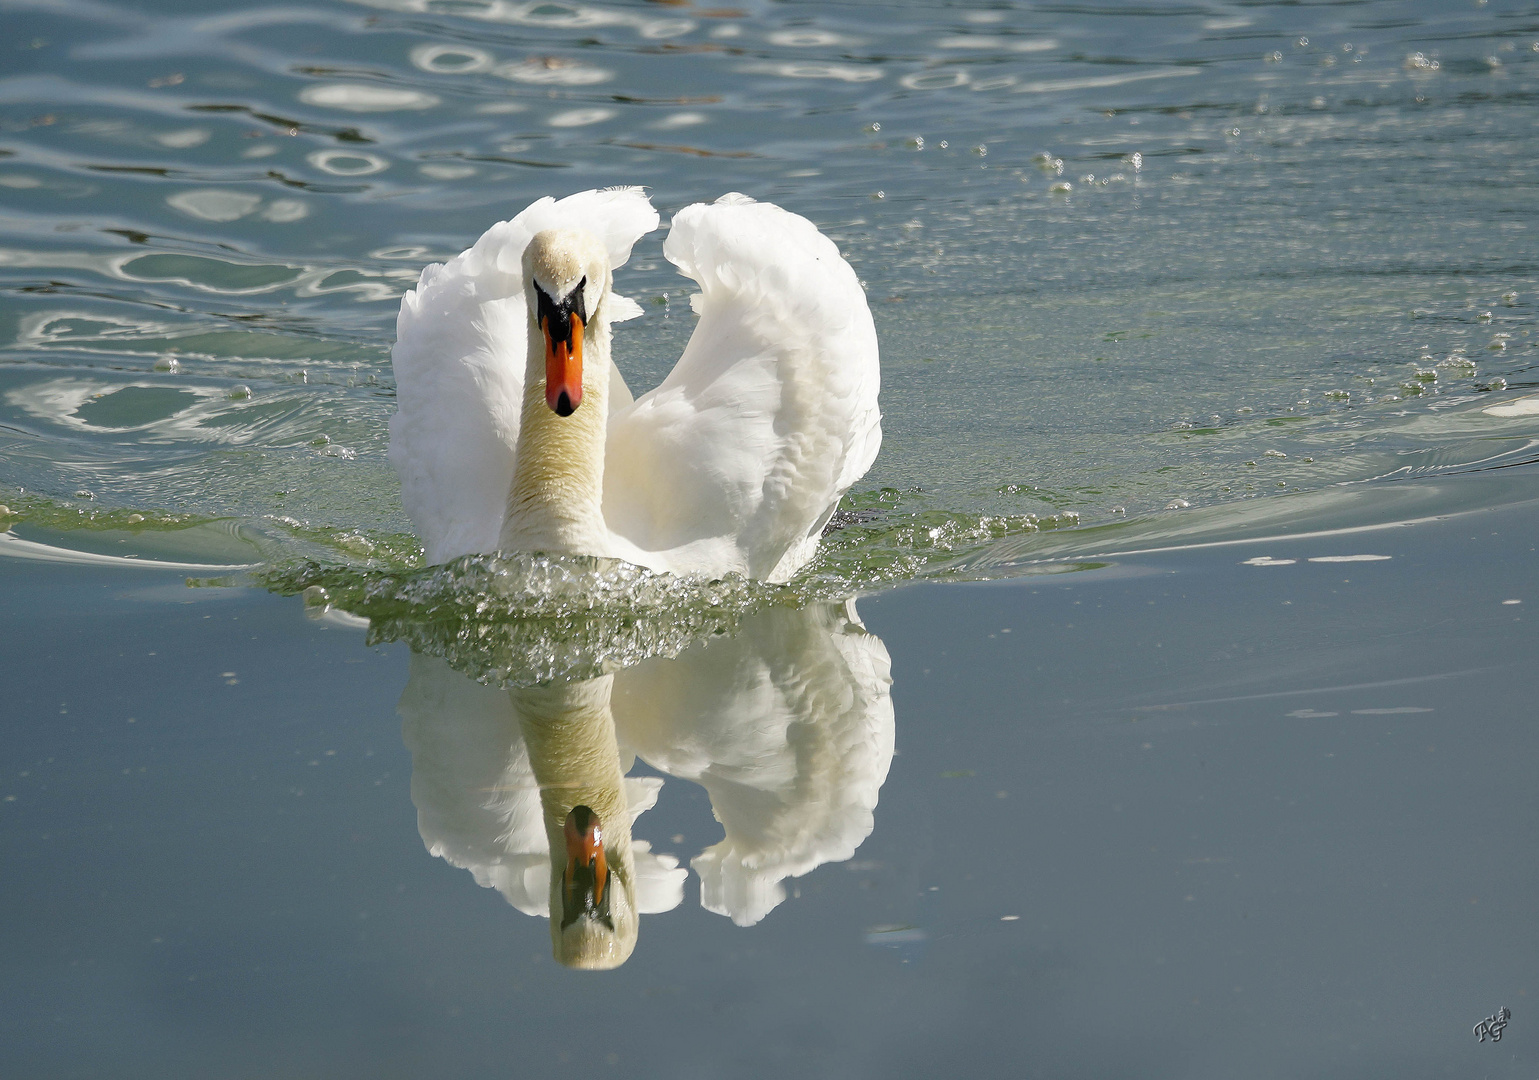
(739, 457)
(460, 351)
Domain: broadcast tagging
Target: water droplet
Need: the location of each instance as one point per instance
(1177, 504)
(240, 393)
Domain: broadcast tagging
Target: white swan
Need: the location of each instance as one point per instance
(515, 431)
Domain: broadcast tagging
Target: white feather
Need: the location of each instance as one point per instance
(739, 457)
(459, 358)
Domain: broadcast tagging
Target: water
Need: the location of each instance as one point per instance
(1291, 216)
(1160, 289)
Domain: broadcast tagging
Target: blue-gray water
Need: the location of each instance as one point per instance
(1168, 295)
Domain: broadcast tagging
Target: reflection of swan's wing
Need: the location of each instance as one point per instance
(788, 726)
(460, 351)
(659, 878)
(478, 805)
(771, 413)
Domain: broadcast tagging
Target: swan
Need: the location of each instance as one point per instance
(515, 431)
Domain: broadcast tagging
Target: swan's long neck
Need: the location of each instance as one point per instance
(570, 732)
(555, 503)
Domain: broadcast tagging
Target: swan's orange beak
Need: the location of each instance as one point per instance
(563, 365)
(585, 885)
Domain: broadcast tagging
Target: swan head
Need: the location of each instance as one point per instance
(568, 274)
(593, 918)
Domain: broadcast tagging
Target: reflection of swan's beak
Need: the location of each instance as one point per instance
(585, 888)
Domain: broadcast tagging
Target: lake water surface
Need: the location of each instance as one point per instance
(1200, 742)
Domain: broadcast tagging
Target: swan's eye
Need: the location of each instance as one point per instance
(557, 315)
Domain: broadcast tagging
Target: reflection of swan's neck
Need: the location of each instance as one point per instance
(570, 733)
(555, 502)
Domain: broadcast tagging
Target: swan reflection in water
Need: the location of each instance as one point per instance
(787, 724)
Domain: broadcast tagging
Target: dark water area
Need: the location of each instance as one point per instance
(1192, 813)
(1161, 706)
